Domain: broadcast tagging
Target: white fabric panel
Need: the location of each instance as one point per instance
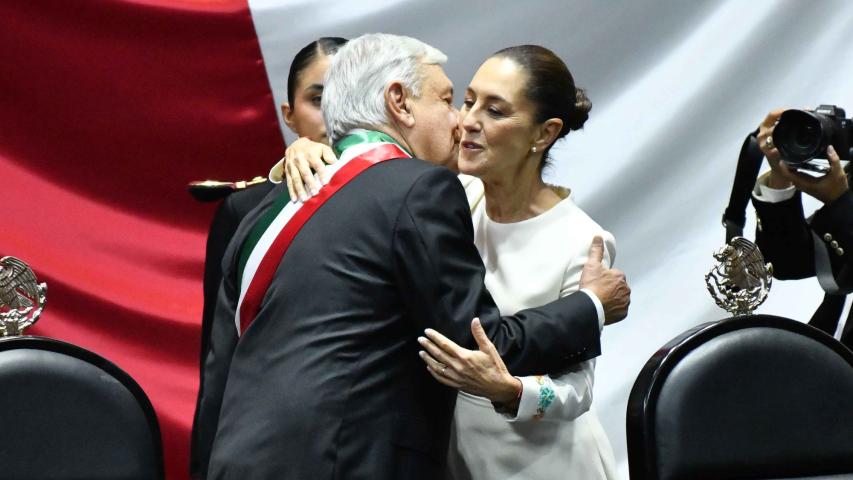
(675, 87)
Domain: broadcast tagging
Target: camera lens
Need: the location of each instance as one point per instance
(798, 136)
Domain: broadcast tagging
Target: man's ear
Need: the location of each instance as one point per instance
(547, 133)
(287, 115)
(398, 103)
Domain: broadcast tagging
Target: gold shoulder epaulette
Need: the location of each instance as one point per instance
(212, 190)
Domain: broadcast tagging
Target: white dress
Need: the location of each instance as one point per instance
(555, 435)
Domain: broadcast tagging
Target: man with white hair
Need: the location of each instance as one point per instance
(328, 384)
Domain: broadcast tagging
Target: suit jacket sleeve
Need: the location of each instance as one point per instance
(441, 279)
(219, 338)
(833, 224)
(224, 224)
(784, 237)
(227, 219)
(222, 228)
(223, 340)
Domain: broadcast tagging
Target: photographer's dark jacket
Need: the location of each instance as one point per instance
(820, 245)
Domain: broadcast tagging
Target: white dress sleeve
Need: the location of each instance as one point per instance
(557, 399)
(568, 396)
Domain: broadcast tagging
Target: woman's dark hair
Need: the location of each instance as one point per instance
(550, 87)
(324, 45)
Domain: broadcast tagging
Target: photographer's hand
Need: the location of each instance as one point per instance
(826, 188)
(777, 179)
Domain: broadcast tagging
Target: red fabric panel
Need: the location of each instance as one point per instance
(107, 110)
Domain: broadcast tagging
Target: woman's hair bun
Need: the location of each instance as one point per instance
(580, 112)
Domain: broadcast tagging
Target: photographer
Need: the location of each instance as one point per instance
(821, 245)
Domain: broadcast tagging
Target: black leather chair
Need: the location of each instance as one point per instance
(66, 413)
(755, 397)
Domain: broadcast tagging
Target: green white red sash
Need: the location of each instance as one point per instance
(271, 236)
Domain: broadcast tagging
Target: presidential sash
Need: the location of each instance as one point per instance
(271, 236)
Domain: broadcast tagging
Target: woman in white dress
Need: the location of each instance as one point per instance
(534, 242)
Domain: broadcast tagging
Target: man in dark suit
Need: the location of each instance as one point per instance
(313, 370)
(800, 248)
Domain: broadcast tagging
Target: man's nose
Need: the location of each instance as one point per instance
(457, 133)
(454, 113)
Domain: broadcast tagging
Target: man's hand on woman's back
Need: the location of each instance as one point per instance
(608, 284)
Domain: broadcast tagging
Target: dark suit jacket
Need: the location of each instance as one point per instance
(785, 238)
(225, 221)
(231, 211)
(326, 383)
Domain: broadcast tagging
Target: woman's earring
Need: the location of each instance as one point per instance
(533, 149)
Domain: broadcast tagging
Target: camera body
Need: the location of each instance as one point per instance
(802, 136)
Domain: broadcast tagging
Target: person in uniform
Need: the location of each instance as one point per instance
(798, 247)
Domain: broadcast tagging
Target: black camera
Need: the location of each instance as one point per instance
(803, 135)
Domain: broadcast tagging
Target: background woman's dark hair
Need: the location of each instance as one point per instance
(551, 88)
(324, 45)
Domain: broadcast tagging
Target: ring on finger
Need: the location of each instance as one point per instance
(768, 142)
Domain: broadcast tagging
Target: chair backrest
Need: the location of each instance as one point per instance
(67, 413)
(752, 397)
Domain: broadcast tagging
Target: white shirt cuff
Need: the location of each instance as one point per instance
(771, 195)
(529, 401)
(599, 307)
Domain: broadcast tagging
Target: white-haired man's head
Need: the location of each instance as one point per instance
(392, 82)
